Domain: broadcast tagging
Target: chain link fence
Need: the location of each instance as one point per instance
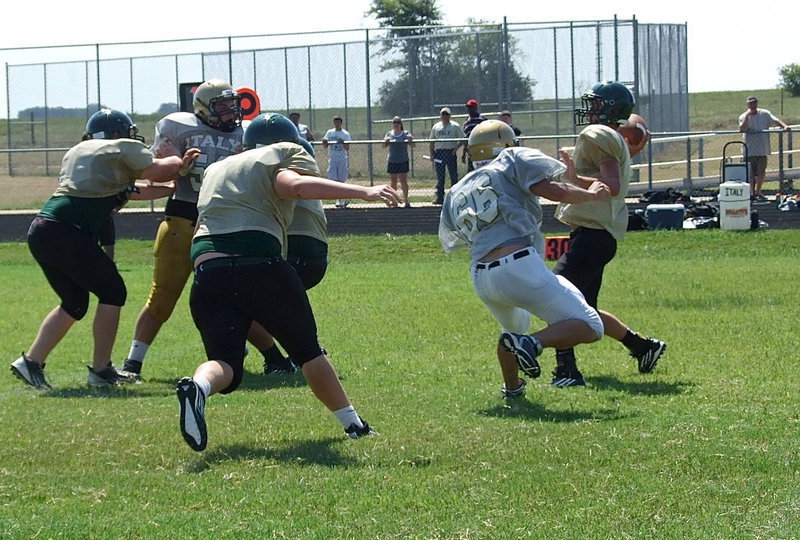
(536, 70)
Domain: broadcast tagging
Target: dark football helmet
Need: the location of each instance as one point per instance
(608, 102)
(218, 105)
(111, 124)
(269, 128)
(307, 145)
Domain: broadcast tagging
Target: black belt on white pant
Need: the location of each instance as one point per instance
(508, 258)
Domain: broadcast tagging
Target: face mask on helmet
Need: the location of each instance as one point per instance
(270, 128)
(111, 124)
(488, 139)
(218, 105)
(609, 103)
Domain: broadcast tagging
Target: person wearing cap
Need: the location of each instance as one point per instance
(335, 141)
(754, 123)
(474, 119)
(443, 153)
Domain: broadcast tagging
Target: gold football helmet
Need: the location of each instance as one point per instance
(217, 104)
(488, 139)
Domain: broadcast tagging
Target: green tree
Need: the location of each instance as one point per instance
(790, 78)
(406, 20)
(435, 65)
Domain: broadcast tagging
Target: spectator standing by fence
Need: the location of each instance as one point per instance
(753, 123)
(443, 153)
(335, 141)
(474, 118)
(398, 141)
(304, 130)
(505, 116)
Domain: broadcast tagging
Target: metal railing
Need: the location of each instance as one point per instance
(677, 160)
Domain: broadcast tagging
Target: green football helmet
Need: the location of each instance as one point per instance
(111, 124)
(307, 145)
(269, 128)
(609, 103)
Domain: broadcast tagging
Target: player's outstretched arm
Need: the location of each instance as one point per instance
(168, 168)
(292, 185)
(563, 192)
(149, 192)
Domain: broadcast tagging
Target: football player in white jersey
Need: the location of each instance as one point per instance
(602, 154)
(214, 128)
(241, 276)
(495, 211)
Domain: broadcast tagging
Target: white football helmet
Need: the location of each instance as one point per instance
(217, 104)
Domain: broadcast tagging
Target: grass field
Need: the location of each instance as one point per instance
(704, 447)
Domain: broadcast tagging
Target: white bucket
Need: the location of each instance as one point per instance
(734, 206)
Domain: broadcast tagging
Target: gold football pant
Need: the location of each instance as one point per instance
(172, 266)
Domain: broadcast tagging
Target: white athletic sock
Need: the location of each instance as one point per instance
(203, 385)
(138, 350)
(347, 417)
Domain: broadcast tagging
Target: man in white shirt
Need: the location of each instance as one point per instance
(335, 141)
(443, 154)
(304, 130)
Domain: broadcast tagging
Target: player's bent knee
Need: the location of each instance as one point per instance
(238, 373)
(162, 302)
(116, 294)
(304, 357)
(596, 328)
(76, 307)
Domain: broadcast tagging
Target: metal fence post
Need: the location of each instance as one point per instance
(782, 184)
(555, 78)
(97, 70)
(311, 115)
(700, 154)
(370, 165)
(8, 121)
(616, 49)
(478, 75)
(572, 71)
(344, 77)
(598, 53)
(504, 65)
(635, 31)
(230, 58)
(286, 81)
(687, 183)
(46, 124)
(130, 73)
